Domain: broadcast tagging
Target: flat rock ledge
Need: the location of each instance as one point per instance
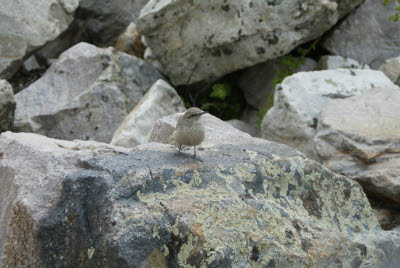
(247, 203)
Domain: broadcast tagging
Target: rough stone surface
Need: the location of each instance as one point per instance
(193, 41)
(391, 68)
(32, 173)
(130, 41)
(299, 99)
(161, 100)
(249, 203)
(7, 106)
(85, 95)
(360, 137)
(104, 20)
(258, 82)
(245, 127)
(26, 25)
(336, 62)
(367, 35)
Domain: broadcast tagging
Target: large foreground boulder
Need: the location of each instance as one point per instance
(367, 35)
(7, 106)
(299, 99)
(161, 100)
(85, 95)
(26, 25)
(245, 202)
(193, 41)
(360, 137)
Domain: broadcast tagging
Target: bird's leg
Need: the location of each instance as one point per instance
(180, 146)
(194, 151)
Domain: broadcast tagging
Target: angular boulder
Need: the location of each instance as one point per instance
(192, 41)
(366, 35)
(245, 202)
(359, 137)
(299, 99)
(391, 68)
(7, 106)
(85, 95)
(336, 62)
(27, 25)
(161, 100)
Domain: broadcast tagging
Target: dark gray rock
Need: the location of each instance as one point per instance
(7, 106)
(85, 95)
(367, 35)
(192, 41)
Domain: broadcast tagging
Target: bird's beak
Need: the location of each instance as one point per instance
(202, 113)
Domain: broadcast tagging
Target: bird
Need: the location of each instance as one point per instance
(190, 129)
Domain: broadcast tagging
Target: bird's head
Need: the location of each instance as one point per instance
(193, 113)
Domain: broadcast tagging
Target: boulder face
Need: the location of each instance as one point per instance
(245, 202)
(7, 106)
(26, 25)
(300, 98)
(161, 100)
(367, 35)
(191, 41)
(85, 95)
(359, 137)
(391, 68)
(336, 62)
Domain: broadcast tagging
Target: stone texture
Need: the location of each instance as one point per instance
(193, 41)
(246, 204)
(85, 95)
(32, 173)
(336, 62)
(245, 127)
(26, 25)
(258, 82)
(7, 106)
(161, 100)
(360, 137)
(391, 68)
(130, 41)
(299, 99)
(104, 20)
(367, 35)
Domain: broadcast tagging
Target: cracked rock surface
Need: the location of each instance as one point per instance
(245, 202)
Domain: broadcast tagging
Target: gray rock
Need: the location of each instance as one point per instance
(250, 203)
(258, 82)
(33, 170)
(161, 100)
(336, 62)
(244, 127)
(391, 68)
(360, 137)
(299, 99)
(193, 41)
(26, 25)
(85, 95)
(104, 20)
(7, 106)
(367, 35)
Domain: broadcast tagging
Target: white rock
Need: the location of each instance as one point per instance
(391, 68)
(194, 41)
(359, 137)
(161, 100)
(336, 62)
(299, 100)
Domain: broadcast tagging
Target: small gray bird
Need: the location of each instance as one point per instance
(190, 129)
